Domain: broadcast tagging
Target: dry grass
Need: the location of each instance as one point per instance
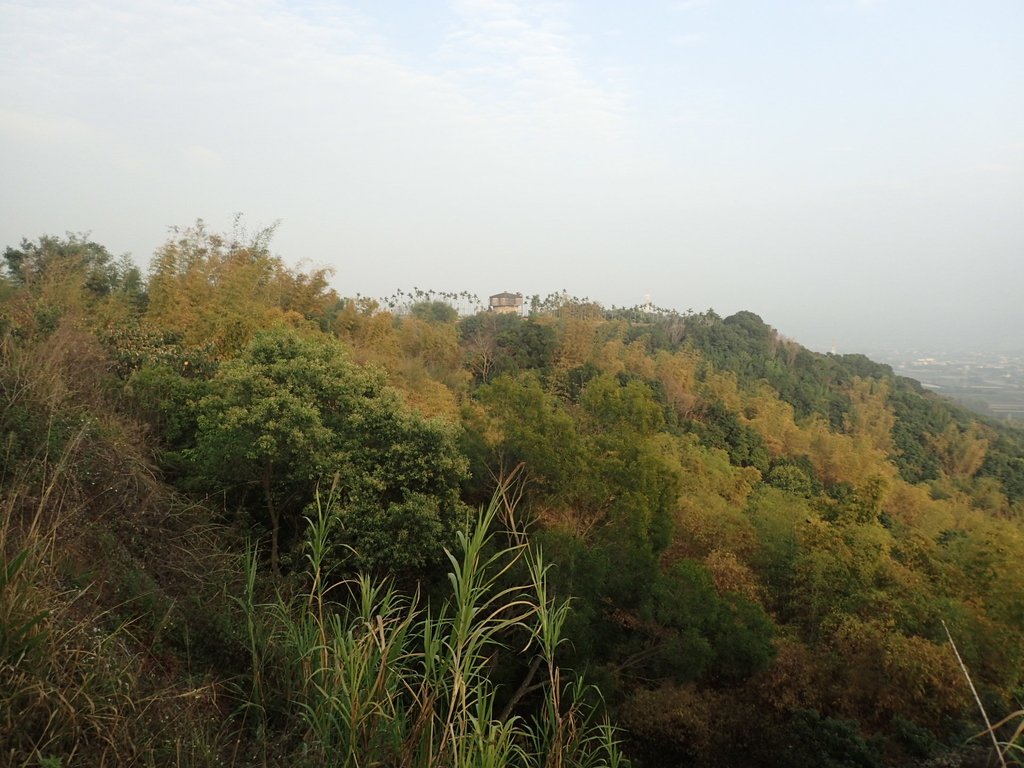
(119, 644)
(83, 522)
(1008, 735)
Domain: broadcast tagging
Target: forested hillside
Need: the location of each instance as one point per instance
(248, 521)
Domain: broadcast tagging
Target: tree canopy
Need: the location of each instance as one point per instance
(755, 549)
(294, 413)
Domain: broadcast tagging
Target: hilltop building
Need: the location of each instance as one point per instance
(507, 303)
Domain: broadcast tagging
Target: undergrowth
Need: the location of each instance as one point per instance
(94, 602)
(129, 635)
(374, 677)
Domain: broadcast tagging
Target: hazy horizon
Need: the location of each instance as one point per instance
(850, 170)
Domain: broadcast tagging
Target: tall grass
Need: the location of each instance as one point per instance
(381, 678)
(67, 669)
(1012, 744)
(105, 576)
(79, 681)
(1007, 738)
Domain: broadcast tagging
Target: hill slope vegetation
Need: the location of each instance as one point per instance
(240, 526)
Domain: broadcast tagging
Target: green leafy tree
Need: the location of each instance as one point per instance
(54, 276)
(291, 412)
(719, 427)
(495, 343)
(32, 260)
(529, 426)
(434, 312)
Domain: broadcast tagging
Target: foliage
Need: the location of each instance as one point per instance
(220, 290)
(752, 547)
(54, 258)
(54, 279)
(499, 344)
(1004, 461)
(110, 588)
(291, 411)
(382, 675)
(918, 416)
(814, 740)
(434, 311)
(746, 346)
(720, 427)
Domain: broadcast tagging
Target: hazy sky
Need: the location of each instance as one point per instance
(851, 170)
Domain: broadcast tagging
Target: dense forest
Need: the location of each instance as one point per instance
(247, 521)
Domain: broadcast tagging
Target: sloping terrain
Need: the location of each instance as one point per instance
(761, 547)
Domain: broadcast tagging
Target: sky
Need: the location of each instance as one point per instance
(850, 170)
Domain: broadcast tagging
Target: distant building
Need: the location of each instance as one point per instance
(507, 303)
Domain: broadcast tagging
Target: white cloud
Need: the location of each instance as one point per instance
(204, 73)
(520, 64)
(305, 112)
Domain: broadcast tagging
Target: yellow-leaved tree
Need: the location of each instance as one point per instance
(217, 291)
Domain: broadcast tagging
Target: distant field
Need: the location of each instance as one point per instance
(1001, 404)
(992, 385)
